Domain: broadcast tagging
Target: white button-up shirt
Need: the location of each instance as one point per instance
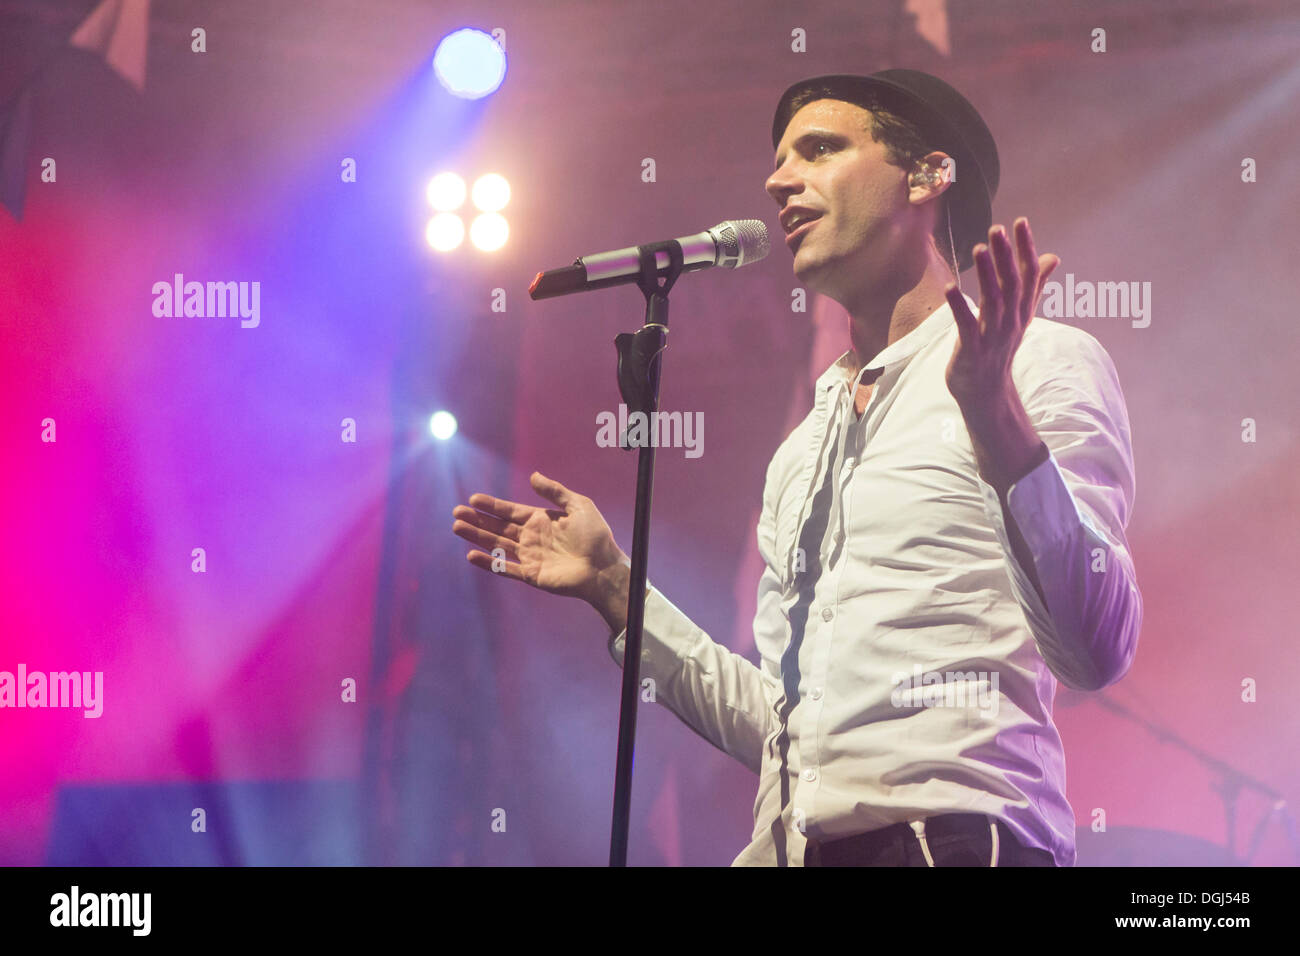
(908, 663)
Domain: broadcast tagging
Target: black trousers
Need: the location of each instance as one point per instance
(951, 839)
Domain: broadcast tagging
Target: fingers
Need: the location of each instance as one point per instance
(1025, 244)
(968, 327)
(1008, 278)
(500, 508)
(1029, 269)
(1010, 292)
(485, 559)
(990, 294)
(488, 522)
(487, 562)
(513, 511)
(1046, 263)
(551, 490)
(487, 540)
(1006, 263)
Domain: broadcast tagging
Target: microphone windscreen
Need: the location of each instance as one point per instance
(741, 241)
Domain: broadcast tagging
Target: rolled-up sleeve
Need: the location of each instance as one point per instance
(719, 694)
(714, 691)
(1072, 510)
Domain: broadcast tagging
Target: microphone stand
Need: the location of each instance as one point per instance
(1230, 783)
(638, 383)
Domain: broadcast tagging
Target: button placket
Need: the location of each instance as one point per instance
(852, 444)
(832, 570)
(822, 416)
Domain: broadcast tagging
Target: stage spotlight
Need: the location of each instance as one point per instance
(470, 64)
(446, 192)
(442, 425)
(445, 231)
(491, 192)
(489, 231)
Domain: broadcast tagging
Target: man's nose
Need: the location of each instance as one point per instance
(782, 184)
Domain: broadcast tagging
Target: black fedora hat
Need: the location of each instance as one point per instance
(948, 122)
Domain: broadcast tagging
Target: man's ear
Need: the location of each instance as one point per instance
(943, 165)
(931, 176)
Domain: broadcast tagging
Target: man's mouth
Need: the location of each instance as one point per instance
(794, 238)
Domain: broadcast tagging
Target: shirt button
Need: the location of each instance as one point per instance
(849, 463)
(839, 535)
(816, 693)
(827, 614)
(810, 774)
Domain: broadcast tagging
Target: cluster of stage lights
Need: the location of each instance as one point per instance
(489, 229)
(469, 64)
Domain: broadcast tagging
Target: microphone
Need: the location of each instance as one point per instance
(731, 244)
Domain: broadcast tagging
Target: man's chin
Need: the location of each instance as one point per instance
(811, 274)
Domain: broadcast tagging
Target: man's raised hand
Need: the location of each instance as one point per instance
(979, 373)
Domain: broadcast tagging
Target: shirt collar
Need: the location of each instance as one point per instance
(930, 329)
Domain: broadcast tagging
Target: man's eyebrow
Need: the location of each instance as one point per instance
(812, 134)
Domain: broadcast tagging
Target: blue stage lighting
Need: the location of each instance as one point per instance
(442, 425)
(469, 63)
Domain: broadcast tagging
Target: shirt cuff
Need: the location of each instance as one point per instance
(1044, 508)
(1046, 514)
(667, 635)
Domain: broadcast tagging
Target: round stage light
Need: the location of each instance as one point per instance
(442, 425)
(489, 231)
(470, 64)
(445, 231)
(446, 192)
(491, 192)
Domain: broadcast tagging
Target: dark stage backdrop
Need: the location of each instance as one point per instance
(485, 714)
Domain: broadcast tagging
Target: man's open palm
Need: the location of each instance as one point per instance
(562, 550)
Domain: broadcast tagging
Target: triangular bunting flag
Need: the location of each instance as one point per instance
(932, 22)
(119, 30)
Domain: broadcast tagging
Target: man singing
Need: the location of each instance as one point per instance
(943, 535)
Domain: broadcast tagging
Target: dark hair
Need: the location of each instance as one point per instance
(905, 144)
